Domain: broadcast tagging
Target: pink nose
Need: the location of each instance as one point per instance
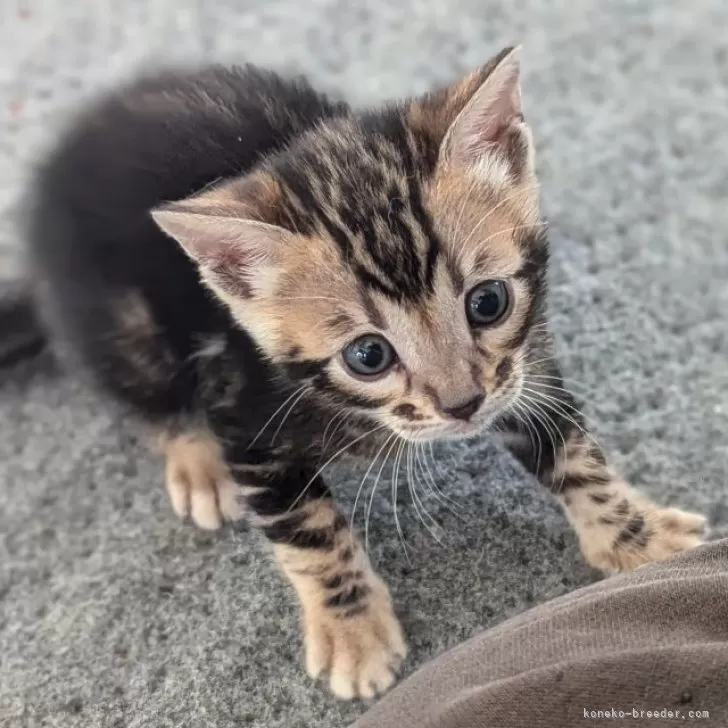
(465, 410)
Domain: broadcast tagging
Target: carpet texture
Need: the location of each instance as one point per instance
(114, 614)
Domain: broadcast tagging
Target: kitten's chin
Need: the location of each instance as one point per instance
(445, 431)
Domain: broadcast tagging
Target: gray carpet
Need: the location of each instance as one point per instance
(112, 613)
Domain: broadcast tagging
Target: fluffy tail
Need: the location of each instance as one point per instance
(21, 333)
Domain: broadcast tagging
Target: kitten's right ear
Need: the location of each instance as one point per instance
(236, 252)
(478, 118)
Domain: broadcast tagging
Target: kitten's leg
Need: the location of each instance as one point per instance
(618, 528)
(350, 629)
(198, 480)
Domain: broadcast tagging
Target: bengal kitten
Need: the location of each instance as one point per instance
(241, 260)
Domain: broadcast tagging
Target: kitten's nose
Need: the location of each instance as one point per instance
(465, 410)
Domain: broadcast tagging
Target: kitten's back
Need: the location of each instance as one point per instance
(162, 138)
(95, 252)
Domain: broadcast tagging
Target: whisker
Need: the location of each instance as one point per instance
(556, 391)
(545, 395)
(419, 506)
(313, 298)
(330, 460)
(563, 380)
(287, 415)
(496, 234)
(531, 409)
(342, 425)
(446, 501)
(466, 199)
(495, 207)
(395, 477)
(426, 479)
(363, 480)
(273, 416)
(371, 496)
(547, 401)
(436, 463)
(522, 416)
(540, 413)
(324, 439)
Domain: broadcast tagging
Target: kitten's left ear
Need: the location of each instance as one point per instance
(479, 117)
(223, 231)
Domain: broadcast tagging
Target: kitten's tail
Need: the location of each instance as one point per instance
(21, 333)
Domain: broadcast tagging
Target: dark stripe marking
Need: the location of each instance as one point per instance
(503, 371)
(348, 597)
(373, 314)
(306, 538)
(600, 498)
(336, 581)
(634, 528)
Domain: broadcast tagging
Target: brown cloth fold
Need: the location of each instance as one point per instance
(646, 649)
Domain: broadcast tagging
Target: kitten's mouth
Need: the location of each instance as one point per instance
(480, 422)
(444, 430)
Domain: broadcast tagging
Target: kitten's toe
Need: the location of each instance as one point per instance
(228, 499)
(318, 647)
(207, 502)
(361, 650)
(198, 483)
(647, 533)
(191, 500)
(179, 496)
(203, 506)
(673, 519)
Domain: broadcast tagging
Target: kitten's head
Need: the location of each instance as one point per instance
(393, 260)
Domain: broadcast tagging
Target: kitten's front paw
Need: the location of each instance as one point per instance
(362, 647)
(199, 484)
(643, 534)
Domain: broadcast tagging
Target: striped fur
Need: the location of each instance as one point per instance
(208, 244)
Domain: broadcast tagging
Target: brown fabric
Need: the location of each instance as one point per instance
(654, 640)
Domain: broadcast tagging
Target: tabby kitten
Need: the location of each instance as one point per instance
(240, 260)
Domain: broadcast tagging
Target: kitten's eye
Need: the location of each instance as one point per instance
(487, 303)
(369, 355)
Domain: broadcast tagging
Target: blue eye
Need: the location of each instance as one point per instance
(369, 355)
(487, 303)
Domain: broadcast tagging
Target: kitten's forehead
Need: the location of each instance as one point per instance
(358, 185)
(487, 228)
(370, 189)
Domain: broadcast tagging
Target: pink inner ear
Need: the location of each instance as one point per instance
(216, 253)
(231, 278)
(230, 252)
(495, 107)
(227, 264)
(483, 133)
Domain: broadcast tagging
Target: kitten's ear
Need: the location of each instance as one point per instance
(221, 231)
(479, 116)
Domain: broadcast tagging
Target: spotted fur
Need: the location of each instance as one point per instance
(207, 244)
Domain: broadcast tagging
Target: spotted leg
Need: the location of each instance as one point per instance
(618, 528)
(350, 629)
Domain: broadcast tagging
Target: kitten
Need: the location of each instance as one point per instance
(242, 260)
